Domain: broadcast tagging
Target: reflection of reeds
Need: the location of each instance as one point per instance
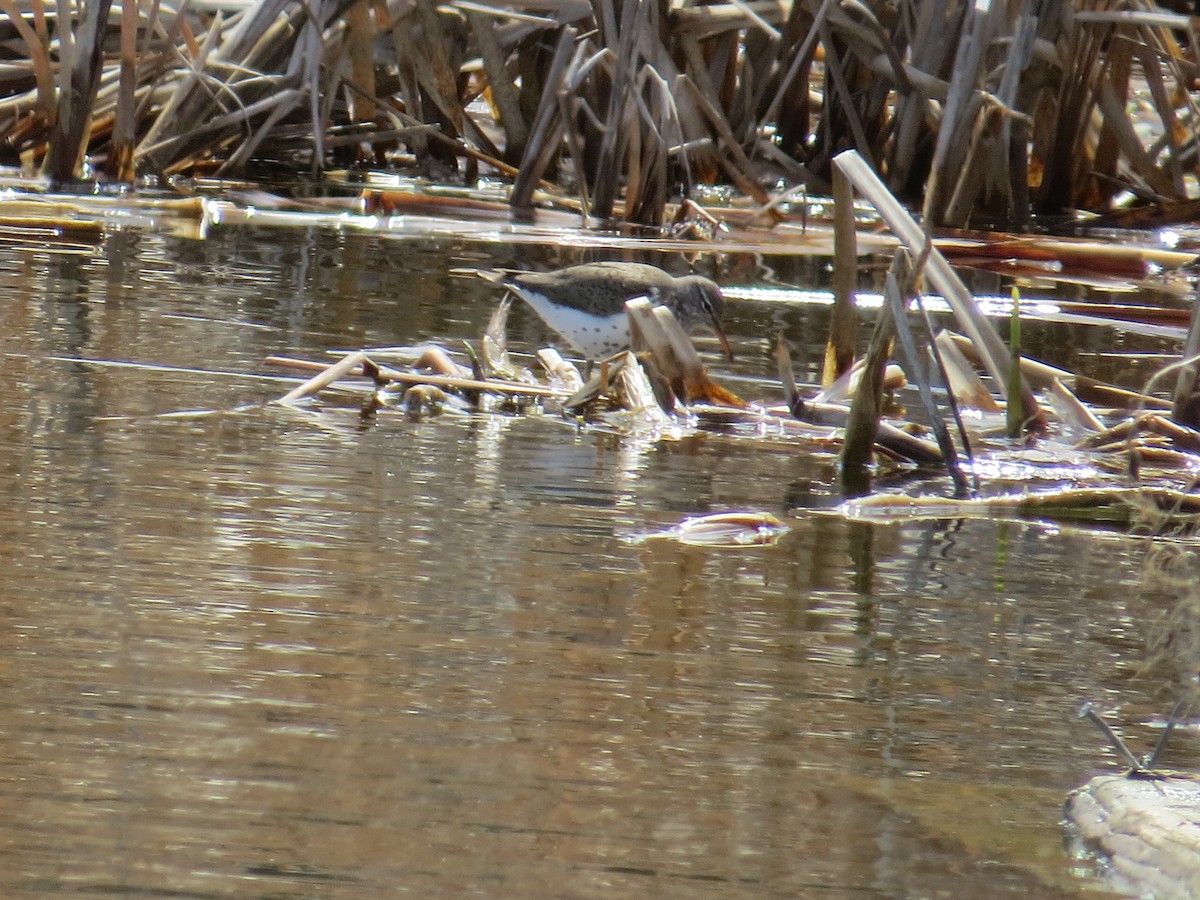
(987, 110)
(1171, 566)
(1172, 630)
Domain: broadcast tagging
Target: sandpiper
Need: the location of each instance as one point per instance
(586, 304)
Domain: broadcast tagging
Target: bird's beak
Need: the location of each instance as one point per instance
(726, 349)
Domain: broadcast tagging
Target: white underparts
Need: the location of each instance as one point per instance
(593, 337)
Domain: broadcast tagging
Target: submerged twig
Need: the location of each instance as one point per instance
(1149, 762)
(1088, 712)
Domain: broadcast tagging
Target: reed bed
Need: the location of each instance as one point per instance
(976, 112)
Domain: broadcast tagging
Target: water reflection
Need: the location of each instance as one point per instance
(289, 652)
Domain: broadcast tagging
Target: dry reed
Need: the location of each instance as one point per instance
(977, 112)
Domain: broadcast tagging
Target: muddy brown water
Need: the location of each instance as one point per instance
(293, 652)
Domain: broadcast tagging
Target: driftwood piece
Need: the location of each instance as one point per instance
(1146, 827)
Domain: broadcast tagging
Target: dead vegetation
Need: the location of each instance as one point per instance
(1109, 436)
(622, 111)
(978, 112)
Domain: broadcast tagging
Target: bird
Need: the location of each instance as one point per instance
(585, 304)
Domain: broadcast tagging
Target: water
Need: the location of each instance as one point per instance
(288, 652)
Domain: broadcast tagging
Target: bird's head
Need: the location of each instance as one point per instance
(700, 302)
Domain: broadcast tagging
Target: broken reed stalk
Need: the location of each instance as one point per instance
(614, 133)
(1074, 413)
(385, 373)
(888, 437)
(866, 409)
(1013, 420)
(894, 296)
(37, 42)
(843, 319)
(78, 82)
(673, 356)
(1042, 376)
(119, 164)
(787, 377)
(962, 105)
(959, 375)
(351, 362)
(1117, 505)
(1185, 406)
(546, 130)
(937, 269)
(360, 41)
